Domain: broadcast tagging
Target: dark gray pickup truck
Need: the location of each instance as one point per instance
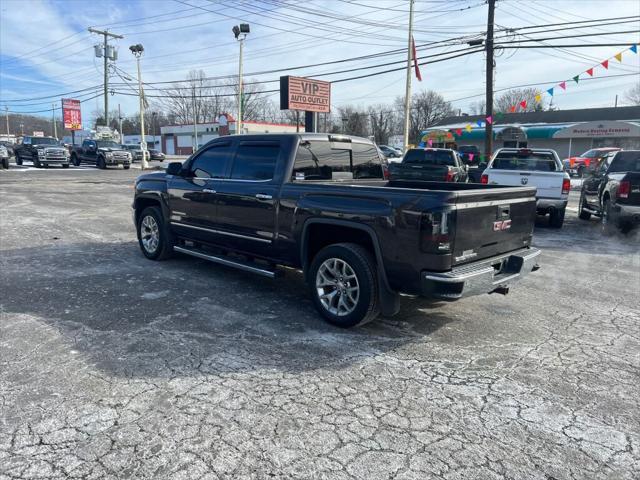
(320, 203)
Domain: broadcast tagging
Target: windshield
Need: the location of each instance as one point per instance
(626, 162)
(107, 144)
(433, 157)
(541, 161)
(43, 141)
(590, 154)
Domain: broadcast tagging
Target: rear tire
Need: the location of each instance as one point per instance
(344, 288)
(606, 221)
(154, 237)
(5, 163)
(582, 213)
(556, 218)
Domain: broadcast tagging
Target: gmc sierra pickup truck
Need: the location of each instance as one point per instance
(612, 191)
(100, 153)
(320, 203)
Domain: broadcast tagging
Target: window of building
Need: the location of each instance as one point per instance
(255, 161)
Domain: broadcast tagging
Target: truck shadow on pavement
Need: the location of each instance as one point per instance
(134, 317)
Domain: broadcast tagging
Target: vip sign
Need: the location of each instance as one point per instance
(297, 93)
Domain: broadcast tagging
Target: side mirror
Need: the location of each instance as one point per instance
(174, 168)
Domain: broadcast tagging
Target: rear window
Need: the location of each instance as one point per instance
(432, 157)
(542, 161)
(625, 162)
(324, 160)
(43, 141)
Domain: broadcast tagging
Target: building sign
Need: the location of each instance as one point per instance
(297, 93)
(71, 114)
(607, 129)
(38, 133)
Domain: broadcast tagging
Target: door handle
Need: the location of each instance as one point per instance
(262, 196)
(208, 190)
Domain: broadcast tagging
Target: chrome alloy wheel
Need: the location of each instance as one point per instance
(337, 287)
(149, 234)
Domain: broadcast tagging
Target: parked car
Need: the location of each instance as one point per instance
(390, 152)
(100, 153)
(156, 155)
(4, 157)
(612, 191)
(538, 167)
(430, 164)
(9, 146)
(135, 151)
(578, 166)
(319, 203)
(41, 151)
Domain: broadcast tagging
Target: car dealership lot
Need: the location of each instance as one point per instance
(115, 366)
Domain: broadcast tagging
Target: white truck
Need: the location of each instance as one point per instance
(533, 167)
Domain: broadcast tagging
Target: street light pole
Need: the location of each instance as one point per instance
(195, 120)
(407, 93)
(137, 51)
(240, 32)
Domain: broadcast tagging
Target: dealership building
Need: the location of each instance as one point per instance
(568, 132)
(179, 139)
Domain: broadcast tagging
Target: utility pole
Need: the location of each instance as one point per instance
(137, 52)
(195, 120)
(407, 93)
(488, 130)
(106, 35)
(53, 119)
(6, 109)
(120, 124)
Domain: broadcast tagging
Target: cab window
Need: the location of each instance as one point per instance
(255, 161)
(211, 163)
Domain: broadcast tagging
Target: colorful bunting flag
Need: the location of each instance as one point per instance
(634, 48)
(471, 157)
(479, 123)
(550, 91)
(512, 108)
(563, 85)
(538, 98)
(605, 64)
(618, 56)
(590, 72)
(468, 127)
(430, 142)
(576, 78)
(489, 120)
(459, 132)
(523, 104)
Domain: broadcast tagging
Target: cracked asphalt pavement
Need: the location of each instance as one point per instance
(113, 366)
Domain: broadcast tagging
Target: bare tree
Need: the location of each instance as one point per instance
(512, 98)
(632, 96)
(382, 122)
(427, 109)
(478, 108)
(354, 122)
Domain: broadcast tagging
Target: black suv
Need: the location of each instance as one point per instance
(41, 151)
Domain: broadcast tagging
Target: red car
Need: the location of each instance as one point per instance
(577, 166)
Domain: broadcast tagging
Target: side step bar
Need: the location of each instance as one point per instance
(240, 265)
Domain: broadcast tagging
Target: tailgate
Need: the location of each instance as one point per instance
(490, 223)
(549, 184)
(634, 191)
(417, 171)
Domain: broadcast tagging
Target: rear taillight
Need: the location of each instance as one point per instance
(434, 232)
(566, 185)
(450, 176)
(484, 178)
(623, 189)
(385, 171)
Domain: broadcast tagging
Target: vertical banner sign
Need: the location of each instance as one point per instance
(298, 93)
(71, 114)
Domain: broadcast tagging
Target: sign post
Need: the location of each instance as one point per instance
(305, 94)
(71, 116)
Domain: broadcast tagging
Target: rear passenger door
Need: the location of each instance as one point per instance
(247, 198)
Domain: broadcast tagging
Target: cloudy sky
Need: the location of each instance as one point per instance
(46, 50)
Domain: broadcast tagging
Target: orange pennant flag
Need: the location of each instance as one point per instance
(619, 56)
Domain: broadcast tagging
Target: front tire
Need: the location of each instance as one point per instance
(154, 237)
(344, 288)
(126, 167)
(582, 213)
(37, 164)
(5, 163)
(65, 165)
(556, 218)
(102, 164)
(18, 159)
(75, 160)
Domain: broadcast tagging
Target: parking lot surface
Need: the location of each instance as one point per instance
(115, 366)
